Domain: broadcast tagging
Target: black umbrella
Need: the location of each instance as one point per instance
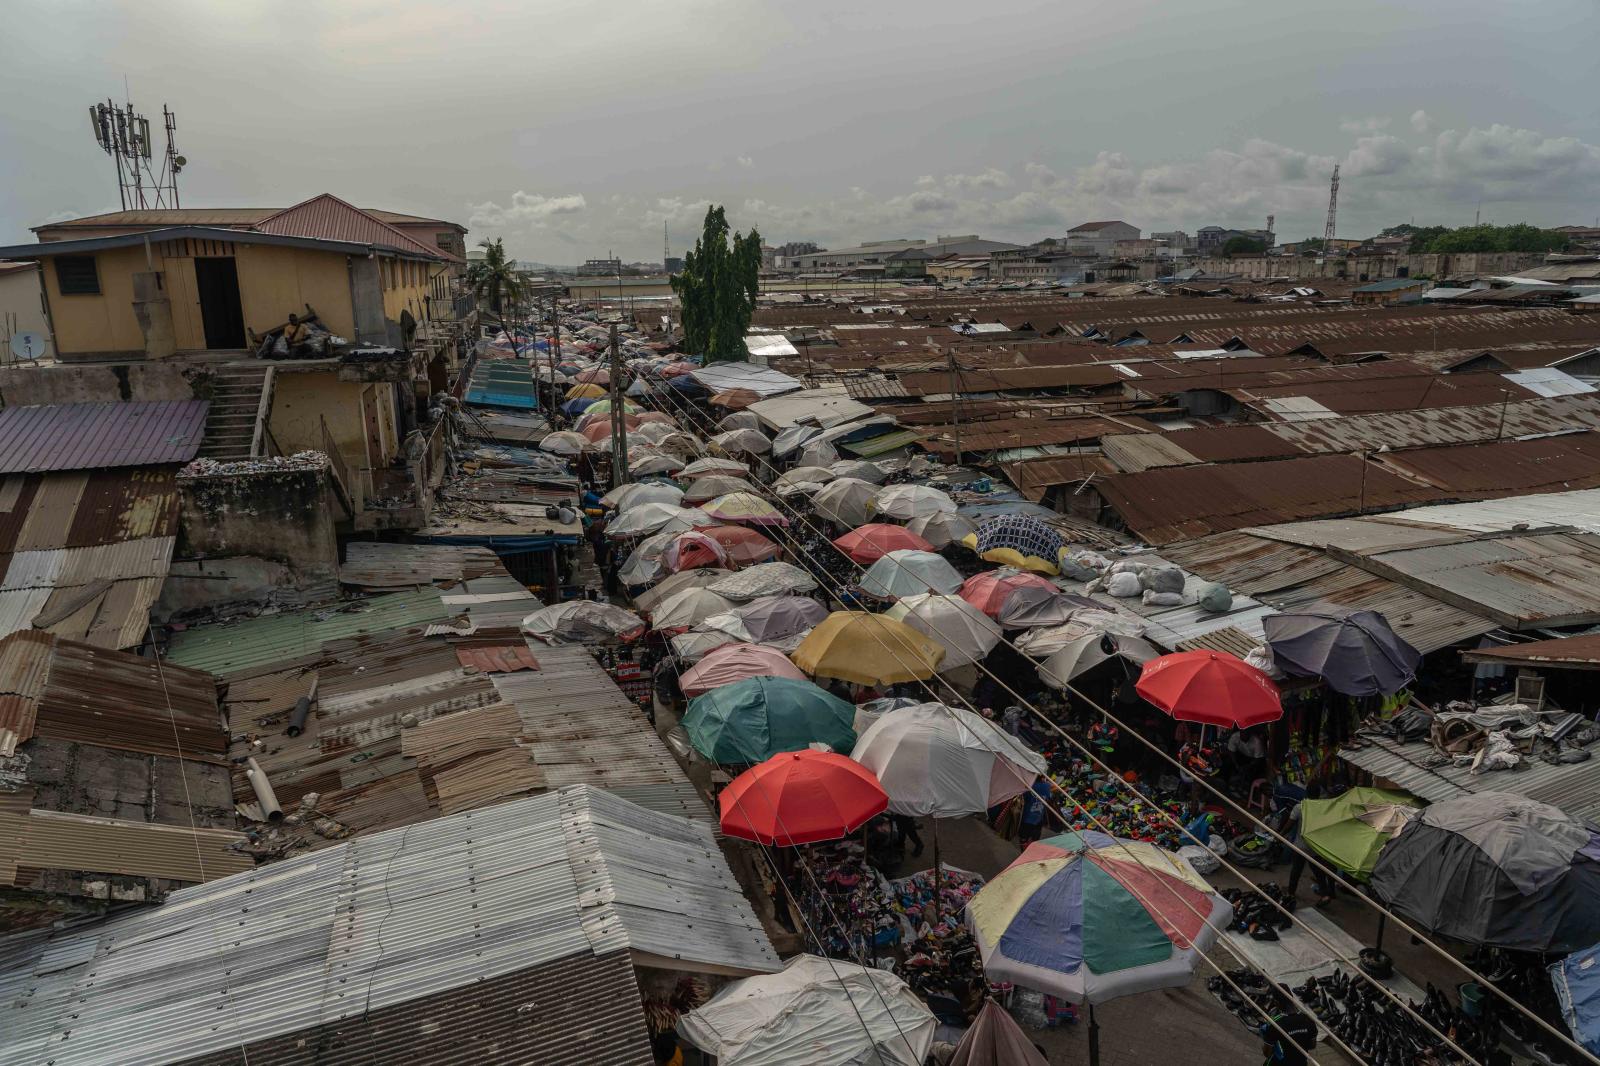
(1355, 652)
(1032, 605)
(1498, 870)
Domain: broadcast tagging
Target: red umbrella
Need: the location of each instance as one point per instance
(871, 542)
(600, 429)
(801, 797)
(693, 549)
(1210, 687)
(744, 546)
(735, 662)
(989, 590)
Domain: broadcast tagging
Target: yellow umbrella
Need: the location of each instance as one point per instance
(586, 391)
(867, 649)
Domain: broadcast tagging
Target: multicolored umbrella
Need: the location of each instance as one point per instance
(1350, 829)
(1018, 540)
(907, 572)
(744, 507)
(735, 662)
(1089, 918)
(989, 590)
(867, 649)
(965, 633)
(799, 797)
(1210, 687)
(756, 718)
(871, 542)
(1498, 870)
(944, 762)
(595, 375)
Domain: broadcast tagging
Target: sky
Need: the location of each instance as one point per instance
(574, 128)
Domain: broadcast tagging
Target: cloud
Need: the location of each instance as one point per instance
(526, 210)
(745, 161)
(1420, 121)
(992, 178)
(1379, 155)
(1372, 124)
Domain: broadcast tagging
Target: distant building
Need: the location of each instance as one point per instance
(876, 254)
(1389, 291)
(596, 267)
(793, 248)
(1210, 239)
(1050, 260)
(1176, 239)
(673, 265)
(1098, 238)
(769, 257)
(958, 268)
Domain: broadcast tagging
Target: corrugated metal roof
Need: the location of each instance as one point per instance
(1581, 652)
(401, 917)
(328, 218)
(52, 840)
(82, 436)
(373, 564)
(1572, 787)
(276, 641)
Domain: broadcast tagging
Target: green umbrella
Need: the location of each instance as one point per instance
(754, 719)
(1350, 829)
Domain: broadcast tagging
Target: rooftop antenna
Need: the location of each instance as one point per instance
(1333, 209)
(666, 249)
(124, 134)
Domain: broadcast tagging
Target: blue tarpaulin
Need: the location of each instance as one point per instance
(1577, 981)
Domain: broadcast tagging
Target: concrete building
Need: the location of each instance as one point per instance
(877, 253)
(1210, 239)
(1098, 238)
(21, 307)
(1175, 239)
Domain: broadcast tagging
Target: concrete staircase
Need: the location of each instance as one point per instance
(241, 400)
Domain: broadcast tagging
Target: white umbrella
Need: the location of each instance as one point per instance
(658, 518)
(1046, 641)
(693, 646)
(818, 453)
(579, 620)
(844, 501)
(742, 440)
(651, 432)
(680, 443)
(714, 485)
(944, 762)
(639, 492)
(858, 468)
(966, 633)
(739, 420)
(564, 442)
(764, 579)
(655, 464)
(1088, 651)
(686, 607)
(816, 1010)
(908, 572)
(804, 474)
(791, 438)
(942, 528)
(644, 564)
(698, 578)
(715, 465)
(909, 501)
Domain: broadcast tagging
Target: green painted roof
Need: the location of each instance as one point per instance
(884, 442)
(274, 641)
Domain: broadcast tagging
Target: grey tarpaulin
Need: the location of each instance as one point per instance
(1496, 869)
(1355, 652)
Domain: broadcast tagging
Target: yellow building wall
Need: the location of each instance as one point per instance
(103, 322)
(405, 287)
(273, 283)
(302, 399)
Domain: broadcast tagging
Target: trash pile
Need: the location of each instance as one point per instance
(1489, 737)
(203, 467)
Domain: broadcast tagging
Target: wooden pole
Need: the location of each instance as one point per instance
(619, 441)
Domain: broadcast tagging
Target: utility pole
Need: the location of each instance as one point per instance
(619, 441)
(955, 399)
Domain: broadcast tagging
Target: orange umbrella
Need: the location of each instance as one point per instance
(598, 431)
(736, 399)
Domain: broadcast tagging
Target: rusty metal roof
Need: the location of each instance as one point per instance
(1507, 467)
(326, 217)
(85, 436)
(54, 840)
(1580, 652)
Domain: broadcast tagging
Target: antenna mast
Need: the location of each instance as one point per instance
(666, 248)
(1333, 209)
(124, 135)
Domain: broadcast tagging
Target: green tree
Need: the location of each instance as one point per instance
(496, 282)
(1310, 244)
(717, 289)
(1519, 237)
(1242, 246)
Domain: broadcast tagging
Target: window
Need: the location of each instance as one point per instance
(76, 275)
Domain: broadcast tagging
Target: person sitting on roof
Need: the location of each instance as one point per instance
(295, 334)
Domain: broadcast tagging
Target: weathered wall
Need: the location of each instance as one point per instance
(283, 520)
(302, 400)
(102, 383)
(20, 298)
(273, 282)
(101, 324)
(1375, 267)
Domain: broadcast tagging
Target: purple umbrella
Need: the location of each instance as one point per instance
(1355, 652)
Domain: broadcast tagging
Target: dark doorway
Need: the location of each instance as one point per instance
(217, 279)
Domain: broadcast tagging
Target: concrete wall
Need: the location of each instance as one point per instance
(265, 534)
(303, 399)
(102, 383)
(20, 300)
(1375, 267)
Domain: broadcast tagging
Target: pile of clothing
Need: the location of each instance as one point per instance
(1489, 737)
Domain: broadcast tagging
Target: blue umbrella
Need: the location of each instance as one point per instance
(580, 405)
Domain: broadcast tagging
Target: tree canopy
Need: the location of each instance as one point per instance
(1243, 246)
(717, 289)
(1519, 237)
(495, 281)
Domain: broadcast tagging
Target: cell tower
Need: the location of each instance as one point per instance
(1333, 208)
(124, 135)
(666, 248)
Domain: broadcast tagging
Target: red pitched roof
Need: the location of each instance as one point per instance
(1096, 225)
(328, 218)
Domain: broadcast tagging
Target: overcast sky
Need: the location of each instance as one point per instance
(574, 127)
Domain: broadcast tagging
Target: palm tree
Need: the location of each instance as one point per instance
(496, 282)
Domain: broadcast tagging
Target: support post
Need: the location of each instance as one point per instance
(619, 441)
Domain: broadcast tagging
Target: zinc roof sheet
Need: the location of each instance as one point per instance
(326, 217)
(81, 436)
(397, 918)
(1572, 787)
(277, 641)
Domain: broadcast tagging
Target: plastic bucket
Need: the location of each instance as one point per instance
(1471, 999)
